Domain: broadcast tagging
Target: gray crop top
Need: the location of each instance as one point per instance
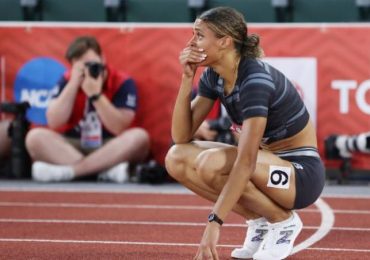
(260, 90)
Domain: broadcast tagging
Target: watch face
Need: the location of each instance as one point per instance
(213, 217)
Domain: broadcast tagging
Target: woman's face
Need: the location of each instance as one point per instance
(204, 38)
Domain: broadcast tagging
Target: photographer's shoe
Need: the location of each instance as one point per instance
(118, 173)
(257, 230)
(278, 243)
(47, 172)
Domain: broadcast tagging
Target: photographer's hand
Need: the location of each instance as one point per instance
(77, 74)
(90, 85)
(205, 133)
(60, 109)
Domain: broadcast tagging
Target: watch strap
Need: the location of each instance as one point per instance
(213, 217)
(95, 97)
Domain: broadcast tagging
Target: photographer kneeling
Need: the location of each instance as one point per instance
(89, 122)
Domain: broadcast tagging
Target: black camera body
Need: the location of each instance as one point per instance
(14, 108)
(222, 126)
(95, 68)
(151, 172)
(20, 161)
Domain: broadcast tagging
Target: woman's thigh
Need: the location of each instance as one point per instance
(273, 176)
(191, 152)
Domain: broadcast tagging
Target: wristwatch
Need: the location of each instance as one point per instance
(213, 217)
(95, 97)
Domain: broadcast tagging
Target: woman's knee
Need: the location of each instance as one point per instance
(250, 190)
(210, 168)
(35, 137)
(175, 162)
(140, 136)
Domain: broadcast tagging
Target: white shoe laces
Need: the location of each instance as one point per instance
(255, 232)
(269, 239)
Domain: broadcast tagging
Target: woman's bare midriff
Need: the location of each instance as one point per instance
(306, 137)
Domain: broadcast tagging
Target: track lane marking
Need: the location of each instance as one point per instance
(151, 223)
(327, 217)
(327, 223)
(130, 189)
(109, 242)
(96, 205)
(148, 206)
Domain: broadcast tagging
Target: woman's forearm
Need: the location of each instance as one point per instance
(181, 129)
(114, 119)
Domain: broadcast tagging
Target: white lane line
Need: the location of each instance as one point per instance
(110, 222)
(32, 240)
(338, 211)
(327, 223)
(149, 206)
(95, 205)
(150, 223)
(115, 188)
(346, 196)
(100, 242)
(340, 249)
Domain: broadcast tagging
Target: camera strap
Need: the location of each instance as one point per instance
(91, 129)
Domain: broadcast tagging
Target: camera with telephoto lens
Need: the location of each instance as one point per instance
(20, 161)
(222, 126)
(95, 68)
(14, 108)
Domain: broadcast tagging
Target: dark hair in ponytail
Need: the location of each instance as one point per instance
(226, 21)
(250, 47)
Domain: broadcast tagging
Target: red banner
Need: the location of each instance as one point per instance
(149, 53)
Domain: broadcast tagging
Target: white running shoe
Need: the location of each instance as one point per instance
(278, 244)
(257, 230)
(47, 172)
(118, 173)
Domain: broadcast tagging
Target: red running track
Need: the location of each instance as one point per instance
(72, 225)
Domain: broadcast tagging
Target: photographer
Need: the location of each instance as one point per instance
(89, 122)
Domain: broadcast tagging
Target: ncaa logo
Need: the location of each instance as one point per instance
(36, 82)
